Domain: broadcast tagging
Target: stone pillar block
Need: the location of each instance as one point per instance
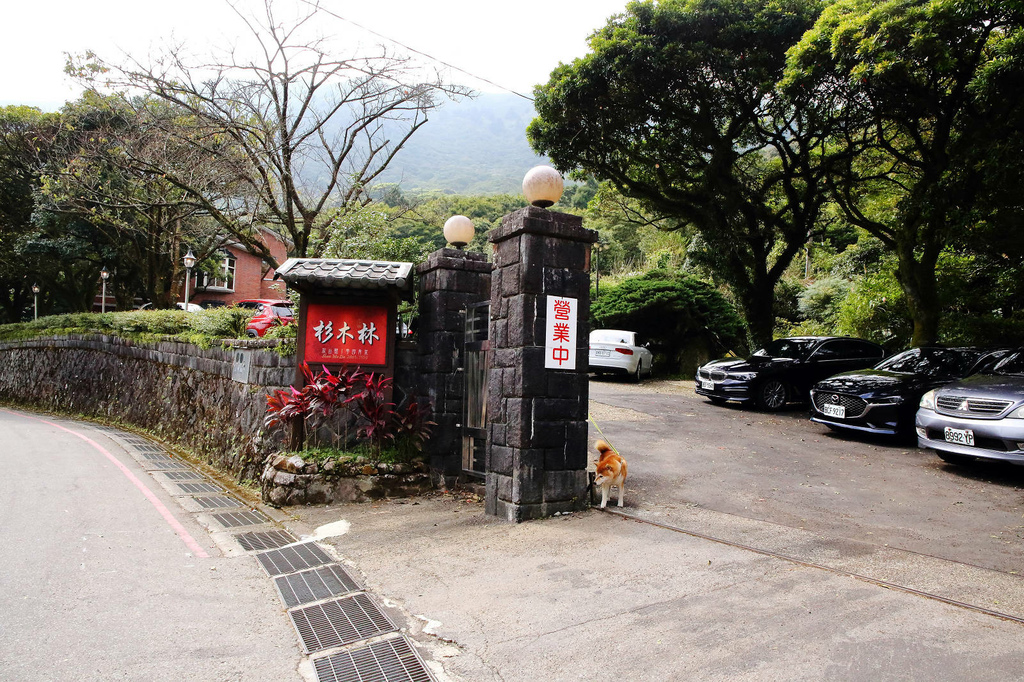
(536, 458)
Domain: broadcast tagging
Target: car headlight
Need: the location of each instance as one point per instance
(928, 400)
(1017, 414)
(743, 376)
(890, 400)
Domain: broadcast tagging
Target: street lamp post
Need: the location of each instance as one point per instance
(104, 275)
(35, 301)
(189, 260)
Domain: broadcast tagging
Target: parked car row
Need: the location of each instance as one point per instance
(963, 403)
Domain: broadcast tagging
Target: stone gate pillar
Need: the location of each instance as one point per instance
(537, 417)
(449, 280)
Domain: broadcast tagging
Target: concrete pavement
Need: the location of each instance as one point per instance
(595, 596)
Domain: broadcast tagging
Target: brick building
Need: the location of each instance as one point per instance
(241, 275)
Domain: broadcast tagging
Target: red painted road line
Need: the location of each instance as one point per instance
(164, 511)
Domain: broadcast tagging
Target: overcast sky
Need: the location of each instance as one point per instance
(515, 44)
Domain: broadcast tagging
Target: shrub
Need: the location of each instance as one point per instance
(686, 319)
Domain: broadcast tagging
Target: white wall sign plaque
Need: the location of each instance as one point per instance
(560, 343)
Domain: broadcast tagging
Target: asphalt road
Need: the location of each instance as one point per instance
(785, 469)
(868, 505)
(104, 582)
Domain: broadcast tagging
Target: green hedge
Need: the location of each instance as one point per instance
(202, 328)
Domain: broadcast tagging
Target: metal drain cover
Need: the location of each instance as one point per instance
(166, 464)
(183, 475)
(236, 519)
(338, 622)
(310, 586)
(148, 447)
(293, 558)
(198, 487)
(157, 457)
(391, 660)
(217, 502)
(269, 540)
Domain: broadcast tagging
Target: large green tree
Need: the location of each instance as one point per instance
(930, 138)
(676, 105)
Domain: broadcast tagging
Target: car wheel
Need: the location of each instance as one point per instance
(772, 395)
(252, 333)
(639, 367)
(953, 458)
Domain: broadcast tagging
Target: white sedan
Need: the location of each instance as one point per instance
(613, 351)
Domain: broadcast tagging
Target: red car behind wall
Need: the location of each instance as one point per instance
(268, 313)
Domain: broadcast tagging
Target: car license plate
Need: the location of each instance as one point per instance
(602, 353)
(707, 385)
(959, 436)
(830, 410)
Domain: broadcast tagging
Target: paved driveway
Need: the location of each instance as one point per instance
(868, 505)
(755, 548)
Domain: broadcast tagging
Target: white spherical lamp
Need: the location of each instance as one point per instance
(543, 186)
(459, 231)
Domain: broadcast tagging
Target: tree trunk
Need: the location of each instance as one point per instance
(759, 310)
(919, 284)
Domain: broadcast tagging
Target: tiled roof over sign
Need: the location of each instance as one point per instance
(339, 273)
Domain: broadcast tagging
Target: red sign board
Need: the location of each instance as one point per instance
(346, 334)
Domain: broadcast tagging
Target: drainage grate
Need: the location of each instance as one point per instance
(217, 502)
(391, 660)
(198, 487)
(157, 457)
(338, 622)
(294, 558)
(236, 519)
(148, 447)
(269, 540)
(168, 464)
(311, 586)
(183, 475)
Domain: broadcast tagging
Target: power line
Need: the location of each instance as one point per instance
(317, 5)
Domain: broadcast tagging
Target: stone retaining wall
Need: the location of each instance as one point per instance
(178, 391)
(291, 481)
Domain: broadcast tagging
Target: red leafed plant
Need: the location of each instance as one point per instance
(377, 413)
(284, 407)
(412, 424)
(364, 396)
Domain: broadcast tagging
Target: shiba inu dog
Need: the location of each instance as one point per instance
(611, 470)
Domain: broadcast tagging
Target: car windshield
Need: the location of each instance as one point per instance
(786, 348)
(931, 362)
(1012, 364)
(611, 336)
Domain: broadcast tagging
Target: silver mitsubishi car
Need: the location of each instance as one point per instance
(981, 416)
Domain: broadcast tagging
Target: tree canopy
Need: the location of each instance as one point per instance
(676, 105)
(929, 124)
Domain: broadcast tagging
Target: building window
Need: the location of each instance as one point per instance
(223, 280)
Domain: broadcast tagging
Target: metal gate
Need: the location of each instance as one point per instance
(476, 356)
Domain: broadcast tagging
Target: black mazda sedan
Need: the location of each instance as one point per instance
(884, 399)
(784, 370)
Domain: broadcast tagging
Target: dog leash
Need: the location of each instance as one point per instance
(603, 437)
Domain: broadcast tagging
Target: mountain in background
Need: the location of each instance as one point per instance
(476, 146)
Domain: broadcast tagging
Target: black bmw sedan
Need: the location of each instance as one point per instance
(784, 370)
(885, 399)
